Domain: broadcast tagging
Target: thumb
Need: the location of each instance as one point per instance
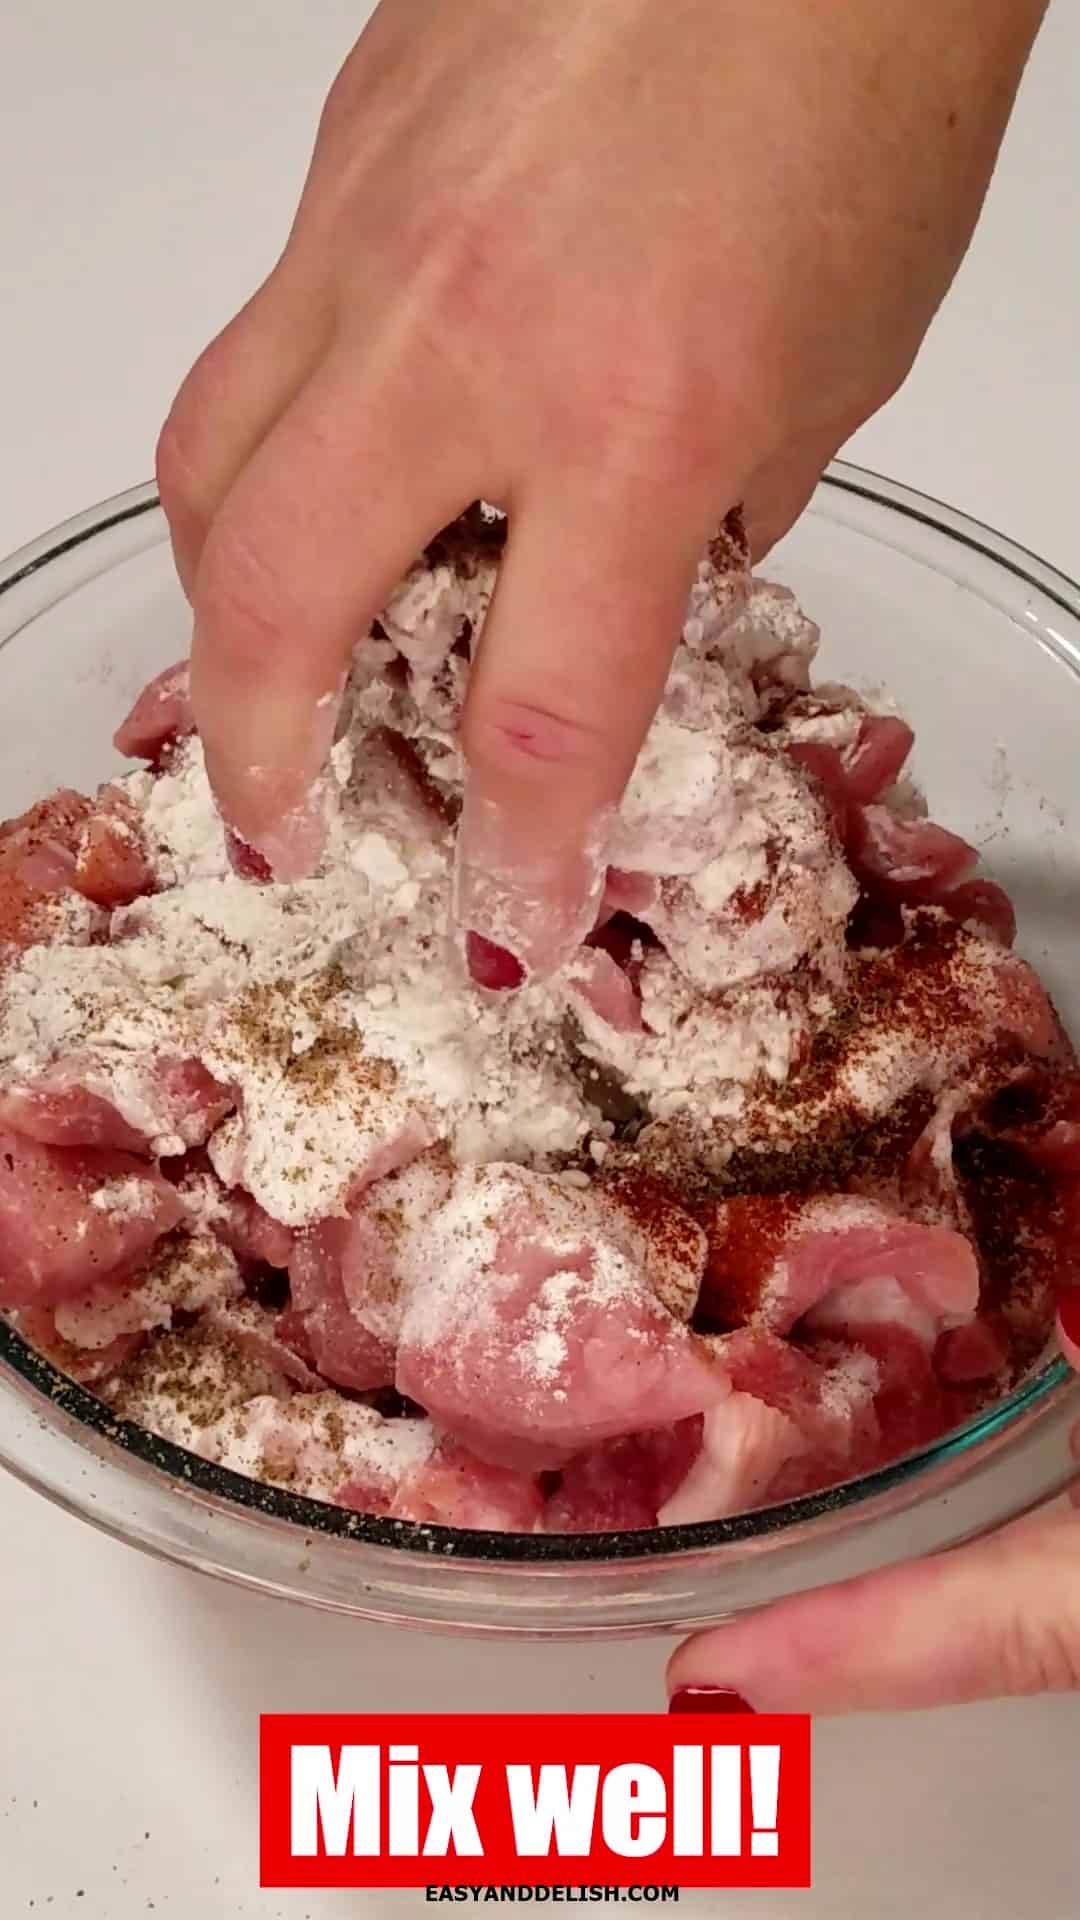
(573, 658)
(997, 1618)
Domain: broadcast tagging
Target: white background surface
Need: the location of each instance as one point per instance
(150, 158)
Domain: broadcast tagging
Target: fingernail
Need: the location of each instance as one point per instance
(1068, 1310)
(245, 861)
(290, 849)
(269, 771)
(708, 1700)
(521, 894)
(491, 966)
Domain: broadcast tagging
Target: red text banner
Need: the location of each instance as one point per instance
(430, 1800)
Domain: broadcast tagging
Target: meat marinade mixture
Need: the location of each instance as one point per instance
(764, 1189)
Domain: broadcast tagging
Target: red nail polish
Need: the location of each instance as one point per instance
(246, 862)
(1068, 1306)
(491, 966)
(708, 1700)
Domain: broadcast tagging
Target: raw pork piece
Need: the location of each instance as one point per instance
(60, 1106)
(532, 1327)
(622, 1484)
(744, 1445)
(90, 847)
(1041, 1117)
(774, 1258)
(879, 755)
(778, 891)
(87, 1365)
(598, 984)
(452, 1488)
(185, 1273)
(161, 715)
(899, 861)
(38, 903)
(263, 1336)
(230, 1213)
(828, 1396)
(346, 1282)
(70, 1216)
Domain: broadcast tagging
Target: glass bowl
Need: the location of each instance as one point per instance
(980, 644)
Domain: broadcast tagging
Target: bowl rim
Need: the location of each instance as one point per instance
(1041, 1393)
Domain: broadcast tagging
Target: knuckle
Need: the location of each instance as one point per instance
(181, 458)
(512, 736)
(241, 597)
(1040, 1655)
(175, 466)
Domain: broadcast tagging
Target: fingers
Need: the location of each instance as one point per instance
(998, 1618)
(589, 606)
(231, 398)
(323, 521)
(781, 490)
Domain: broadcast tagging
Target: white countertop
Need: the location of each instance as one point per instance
(150, 157)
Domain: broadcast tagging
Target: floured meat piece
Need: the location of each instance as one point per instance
(855, 1279)
(87, 1365)
(774, 1258)
(179, 823)
(916, 1019)
(314, 1127)
(204, 1390)
(173, 1104)
(679, 1050)
(70, 1216)
(767, 640)
(531, 1327)
(444, 599)
(871, 749)
(70, 841)
(233, 1215)
(722, 586)
(346, 1276)
(185, 1274)
(681, 807)
(776, 894)
(911, 860)
(898, 856)
(161, 715)
(600, 990)
(38, 903)
(92, 847)
(264, 1337)
(451, 1488)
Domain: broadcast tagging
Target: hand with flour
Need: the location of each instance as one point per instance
(614, 267)
(1000, 1617)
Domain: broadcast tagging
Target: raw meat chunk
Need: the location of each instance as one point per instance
(346, 1276)
(775, 1257)
(622, 1484)
(70, 1216)
(531, 1328)
(161, 715)
(451, 1488)
(880, 752)
(744, 1444)
(67, 1104)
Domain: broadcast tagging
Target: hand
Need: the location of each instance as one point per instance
(999, 1617)
(614, 267)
